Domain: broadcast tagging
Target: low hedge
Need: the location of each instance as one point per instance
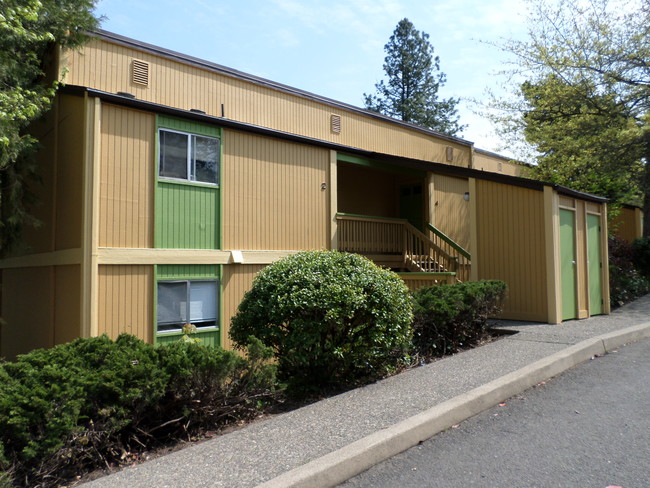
(82, 405)
(452, 317)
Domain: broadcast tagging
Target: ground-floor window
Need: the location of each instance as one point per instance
(183, 302)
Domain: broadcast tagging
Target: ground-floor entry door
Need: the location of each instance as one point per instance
(594, 265)
(568, 264)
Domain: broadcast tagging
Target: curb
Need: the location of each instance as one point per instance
(340, 465)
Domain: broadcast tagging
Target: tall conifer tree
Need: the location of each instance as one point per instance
(414, 78)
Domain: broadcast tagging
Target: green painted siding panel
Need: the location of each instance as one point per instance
(187, 216)
(568, 264)
(187, 271)
(594, 260)
(188, 126)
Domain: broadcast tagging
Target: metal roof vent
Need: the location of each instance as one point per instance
(140, 72)
(335, 121)
(450, 154)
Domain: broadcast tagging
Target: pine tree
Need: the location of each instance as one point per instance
(414, 78)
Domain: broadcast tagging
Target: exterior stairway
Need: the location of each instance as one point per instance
(396, 244)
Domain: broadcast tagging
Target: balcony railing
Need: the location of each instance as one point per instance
(395, 242)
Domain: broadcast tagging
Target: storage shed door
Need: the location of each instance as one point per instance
(568, 264)
(594, 262)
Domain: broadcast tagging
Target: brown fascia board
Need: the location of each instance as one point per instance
(240, 75)
(631, 206)
(439, 168)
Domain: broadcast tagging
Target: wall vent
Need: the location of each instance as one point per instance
(336, 123)
(140, 72)
(450, 154)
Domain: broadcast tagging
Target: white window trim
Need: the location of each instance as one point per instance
(188, 158)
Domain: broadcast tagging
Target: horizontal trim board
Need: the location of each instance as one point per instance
(417, 164)
(55, 258)
(127, 256)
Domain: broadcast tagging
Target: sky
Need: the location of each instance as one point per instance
(333, 48)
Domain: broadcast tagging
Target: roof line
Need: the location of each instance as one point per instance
(387, 158)
(233, 73)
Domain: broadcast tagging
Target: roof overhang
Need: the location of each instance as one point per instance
(418, 164)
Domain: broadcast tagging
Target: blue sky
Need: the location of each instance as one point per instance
(331, 48)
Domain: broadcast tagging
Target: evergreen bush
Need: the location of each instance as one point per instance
(448, 318)
(626, 282)
(641, 255)
(82, 405)
(331, 318)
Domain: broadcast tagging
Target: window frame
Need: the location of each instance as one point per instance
(188, 301)
(190, 163)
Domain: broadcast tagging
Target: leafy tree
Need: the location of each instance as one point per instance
(29, 30)
(586, 143)
(585, 104)
(414, 78)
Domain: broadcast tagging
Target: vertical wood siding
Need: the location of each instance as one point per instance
(41, 239)
(69, 177)
(187, 216)
(272, 196)
(450, 208)
(67, 303)
(236, 280)
(126, 179)
(365, 191)
(628, 224)
(26, 326)
(107, 67)
(510, 240)
(126, 301)
(496, 164)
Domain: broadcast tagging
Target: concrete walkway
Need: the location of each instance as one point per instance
(325, 443)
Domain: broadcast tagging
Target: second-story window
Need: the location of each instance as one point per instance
(188, 157)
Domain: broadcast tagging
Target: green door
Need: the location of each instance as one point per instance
(410, 204)
(568, 264)
(595, 265)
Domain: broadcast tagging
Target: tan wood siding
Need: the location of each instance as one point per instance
(497, 164)
(126, 179)
(106, 66)
(450, 208)
(510, 241)
(628, 224)
(26, 310)
(236, 280)
(272, 195)
(365, 191)
(69, 180)
(40, 239)
(67, 303)
(125, 301)
(60, 172)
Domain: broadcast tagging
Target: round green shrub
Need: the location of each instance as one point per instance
(331, 318)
